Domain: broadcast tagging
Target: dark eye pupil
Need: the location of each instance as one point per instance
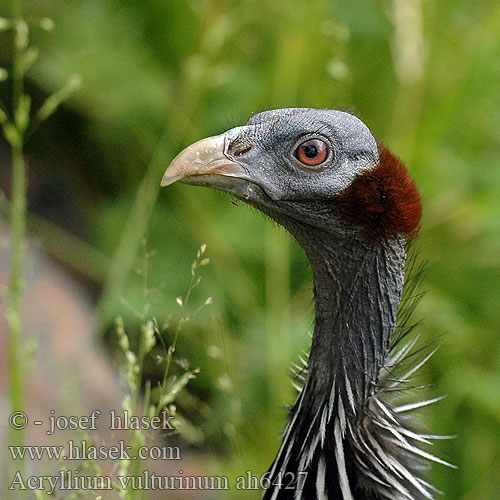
(311, 151)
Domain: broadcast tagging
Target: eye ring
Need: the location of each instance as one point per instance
(312, 152)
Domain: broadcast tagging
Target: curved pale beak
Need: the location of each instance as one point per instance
(205, 163)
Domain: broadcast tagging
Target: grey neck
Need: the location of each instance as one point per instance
(357, 290)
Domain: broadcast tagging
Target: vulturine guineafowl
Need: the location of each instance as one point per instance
(353, 207)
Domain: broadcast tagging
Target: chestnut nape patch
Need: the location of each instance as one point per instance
(384, 200)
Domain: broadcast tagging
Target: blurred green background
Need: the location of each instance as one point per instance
(160, 74)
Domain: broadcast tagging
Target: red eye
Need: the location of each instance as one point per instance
(312, 152)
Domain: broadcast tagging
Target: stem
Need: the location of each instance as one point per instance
(140, 215)
(16, 285)
(131, 237)
(18, 230)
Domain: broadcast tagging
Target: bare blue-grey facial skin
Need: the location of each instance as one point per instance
(271, 137)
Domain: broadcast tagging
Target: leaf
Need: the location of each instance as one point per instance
(29, 58)
(52, 102)
(11, 134)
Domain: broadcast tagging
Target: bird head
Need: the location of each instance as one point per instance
(318, 168)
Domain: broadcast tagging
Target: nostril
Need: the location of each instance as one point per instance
(239, 147)
(242, 151)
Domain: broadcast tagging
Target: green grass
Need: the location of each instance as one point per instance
(159, 75)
